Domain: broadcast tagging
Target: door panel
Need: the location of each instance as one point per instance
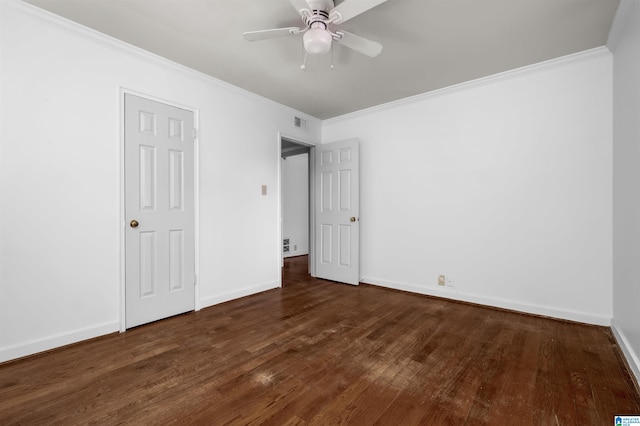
(147, 261)
(325, 242)
(176, 161)
(176, 260)
(159, 196)
(345, 245)
(337, 210)
(147, 172)
(344, 185)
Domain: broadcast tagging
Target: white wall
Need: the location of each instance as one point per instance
(505, 184)
(626, 186)
(295, 204)
(60, 174)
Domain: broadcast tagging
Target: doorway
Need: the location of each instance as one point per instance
(295, 190)
(334, 203)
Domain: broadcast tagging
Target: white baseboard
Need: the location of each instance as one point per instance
(627, 350)
(236, 294)
(35, 346)
(449, 293)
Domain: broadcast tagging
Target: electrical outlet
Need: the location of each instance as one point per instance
(449, 281)
(441, 280)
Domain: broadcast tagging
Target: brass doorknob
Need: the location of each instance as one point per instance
(134, 224)
(352, 219)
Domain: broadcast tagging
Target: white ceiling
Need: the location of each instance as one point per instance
(428, 44)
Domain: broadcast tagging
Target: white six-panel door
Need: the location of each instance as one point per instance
(337, 228)
(159, 211)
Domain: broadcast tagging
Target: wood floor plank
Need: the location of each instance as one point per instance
(318, 352)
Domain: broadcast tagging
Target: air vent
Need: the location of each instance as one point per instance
(299, 122)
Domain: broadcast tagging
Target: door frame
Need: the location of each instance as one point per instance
(312, 201)
(196, 195)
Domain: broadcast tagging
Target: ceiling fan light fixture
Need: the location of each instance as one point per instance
(317, 41)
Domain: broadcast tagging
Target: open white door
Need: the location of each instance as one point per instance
(337, 223)
(159, 211)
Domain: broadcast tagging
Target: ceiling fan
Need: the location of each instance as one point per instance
(319, 16)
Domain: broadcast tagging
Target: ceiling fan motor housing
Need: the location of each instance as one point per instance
(318, 19)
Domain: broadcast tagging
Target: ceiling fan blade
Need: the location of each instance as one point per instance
(359, 44)
(350, 9)
(301, 6)
(276, 32)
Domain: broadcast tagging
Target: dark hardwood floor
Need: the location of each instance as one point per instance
(316, 352)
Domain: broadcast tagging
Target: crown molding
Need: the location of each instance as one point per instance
(516, 72)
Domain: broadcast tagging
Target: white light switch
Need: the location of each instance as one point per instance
(264, 189)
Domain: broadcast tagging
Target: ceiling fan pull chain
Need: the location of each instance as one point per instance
(304, 61)
(331, 55)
